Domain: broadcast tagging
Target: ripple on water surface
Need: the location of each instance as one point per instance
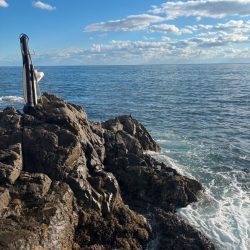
(199, 113)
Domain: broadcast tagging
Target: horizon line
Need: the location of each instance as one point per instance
(151, 64)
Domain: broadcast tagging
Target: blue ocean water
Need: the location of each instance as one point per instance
(199, 114)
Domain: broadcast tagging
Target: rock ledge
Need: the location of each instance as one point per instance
(69, 183)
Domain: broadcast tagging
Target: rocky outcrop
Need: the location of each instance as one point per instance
(142, 178)
(69, 183)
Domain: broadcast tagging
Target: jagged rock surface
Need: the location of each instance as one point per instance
(65, 182)
(142, 178)
(10, 146)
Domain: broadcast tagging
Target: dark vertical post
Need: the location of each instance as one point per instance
(28, 72)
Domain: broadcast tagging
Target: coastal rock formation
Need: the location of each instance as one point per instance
(69, 183)
(141, 177)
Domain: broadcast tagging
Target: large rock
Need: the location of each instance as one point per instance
(144, 180)
(56, 135)
(61, 142)
(132, 127)
(64, 179)
(11, 161)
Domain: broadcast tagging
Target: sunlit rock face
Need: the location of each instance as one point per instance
(69, 183)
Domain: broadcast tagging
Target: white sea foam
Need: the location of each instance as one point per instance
(222, 212)
(162, 156)
(225, 219)
(11, 99)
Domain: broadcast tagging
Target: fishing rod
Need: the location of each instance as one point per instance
(30, 76)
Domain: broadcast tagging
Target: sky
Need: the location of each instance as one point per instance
(98, 32)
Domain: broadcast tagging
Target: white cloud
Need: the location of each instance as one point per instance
(147, 38)
(206, 47)
(43, 6)
(215, 39)
(165, 28)
(3, 4)
(166, 50)
(204, 8)
(130, 23)
(233, 26)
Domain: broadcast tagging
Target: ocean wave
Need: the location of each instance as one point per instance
(163, 156)
(11, 99)
(222, 212)
(225, 220)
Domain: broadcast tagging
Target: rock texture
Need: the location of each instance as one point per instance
(69, 183)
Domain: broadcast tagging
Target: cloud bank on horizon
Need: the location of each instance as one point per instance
(192, 31)
(202, 40)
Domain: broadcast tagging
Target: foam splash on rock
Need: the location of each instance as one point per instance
(11, 99)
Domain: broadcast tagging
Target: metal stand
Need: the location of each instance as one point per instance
(29, 84)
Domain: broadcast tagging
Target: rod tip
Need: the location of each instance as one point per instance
(23, 36)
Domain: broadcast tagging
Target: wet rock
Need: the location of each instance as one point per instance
(172, 232)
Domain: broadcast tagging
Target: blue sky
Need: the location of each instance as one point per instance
(82, 32)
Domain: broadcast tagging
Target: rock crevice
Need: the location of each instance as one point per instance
(69, 183)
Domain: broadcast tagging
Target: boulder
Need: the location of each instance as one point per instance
(132, 127)
(56, 135)
(144, 180)
(33, 185)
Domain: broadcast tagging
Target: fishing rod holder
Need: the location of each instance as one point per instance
(29, 77)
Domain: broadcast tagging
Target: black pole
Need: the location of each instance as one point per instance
(27, 65)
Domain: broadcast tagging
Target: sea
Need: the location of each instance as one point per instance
(199, 114)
